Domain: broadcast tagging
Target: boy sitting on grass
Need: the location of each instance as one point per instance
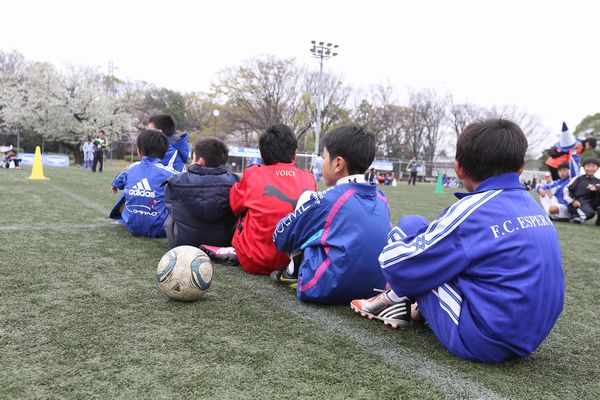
(583, 193)
(265, 194)
(342, 230)
(179, 149)
(198, 200)
(551, 195)
(487, 273)
(141, 205)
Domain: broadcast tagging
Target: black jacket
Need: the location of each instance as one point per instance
(198, 201)
(578, 189)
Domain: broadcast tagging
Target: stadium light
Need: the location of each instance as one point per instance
(322, 52)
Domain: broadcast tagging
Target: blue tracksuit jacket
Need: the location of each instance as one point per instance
(178, 153)
(342, 231)
(143, 193)
(487, 274)
(557, 188)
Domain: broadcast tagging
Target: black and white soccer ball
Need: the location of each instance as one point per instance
(184, 273)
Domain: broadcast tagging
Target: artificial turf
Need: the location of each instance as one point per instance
(81, 316)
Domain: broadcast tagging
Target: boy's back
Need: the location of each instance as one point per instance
(178, 153)
(144, 212)
(198, 201)
(264, 195)
(493, 262)
(342, 231)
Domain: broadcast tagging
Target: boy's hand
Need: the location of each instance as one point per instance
(576, 204)
(114, 189)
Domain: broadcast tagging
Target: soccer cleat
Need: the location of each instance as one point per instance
(416, 315)
(221, 255)
(381, 307)
(282, 277)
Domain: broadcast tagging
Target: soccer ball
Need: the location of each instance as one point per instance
(184, 273)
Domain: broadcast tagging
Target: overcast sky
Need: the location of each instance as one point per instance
(542, 56)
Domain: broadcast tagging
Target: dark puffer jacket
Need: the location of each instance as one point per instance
(198, 204)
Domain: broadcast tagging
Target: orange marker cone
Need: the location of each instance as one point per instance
(37, 173)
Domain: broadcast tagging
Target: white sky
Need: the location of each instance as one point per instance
(542, 56)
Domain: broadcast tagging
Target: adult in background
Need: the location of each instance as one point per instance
(99, 144)
(413, 168)
(371, 175)
(317, 167)
(568, 149)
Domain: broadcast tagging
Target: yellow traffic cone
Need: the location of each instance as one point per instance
(38, 170)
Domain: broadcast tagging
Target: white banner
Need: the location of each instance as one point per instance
(51, 160)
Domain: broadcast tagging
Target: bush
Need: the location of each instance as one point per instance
(130, 158)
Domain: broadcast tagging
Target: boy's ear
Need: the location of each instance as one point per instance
(200, 161)
(460, 172)
(339, 164)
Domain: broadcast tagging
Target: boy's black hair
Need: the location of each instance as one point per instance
(491, 147)
(355, 145)
(213, 150)
(591, 160)
(102, 131)
(153, 143)
(164, 122)
(563, 165)
(591, 141)
(277, 144)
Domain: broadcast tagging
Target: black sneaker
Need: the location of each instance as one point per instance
(282, 277)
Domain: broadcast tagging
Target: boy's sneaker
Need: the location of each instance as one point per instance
(221, 255)
(381, 307)
(283, 277)
(576, 220)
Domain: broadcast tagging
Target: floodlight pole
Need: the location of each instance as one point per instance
(319, 105)
(322, 51)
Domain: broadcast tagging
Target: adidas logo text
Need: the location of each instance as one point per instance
(142, 189)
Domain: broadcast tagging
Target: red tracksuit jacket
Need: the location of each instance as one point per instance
(263, 196)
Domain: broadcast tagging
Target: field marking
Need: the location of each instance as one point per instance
(83, 200)
(60, 226)
(448, 382)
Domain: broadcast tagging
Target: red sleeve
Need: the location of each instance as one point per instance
(237, 196)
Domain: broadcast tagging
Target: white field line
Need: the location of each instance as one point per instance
(83, 200)
(444, 379)
(60, 226)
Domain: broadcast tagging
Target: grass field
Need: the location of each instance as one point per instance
(81, 316)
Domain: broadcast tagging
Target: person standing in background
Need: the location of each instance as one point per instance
(413, 168)
(88, 153)
(99, 144)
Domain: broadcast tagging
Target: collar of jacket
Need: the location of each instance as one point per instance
(504, 181)
(151, 160)
(200, 170)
